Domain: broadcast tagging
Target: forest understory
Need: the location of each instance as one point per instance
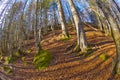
(59, 39)
(66, 64)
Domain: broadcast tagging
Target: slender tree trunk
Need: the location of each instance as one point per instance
(35, 27)
(45, 21)
(55, 18)
(62, 18)
(71, 17)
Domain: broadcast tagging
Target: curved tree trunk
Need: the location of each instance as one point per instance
(115, 34)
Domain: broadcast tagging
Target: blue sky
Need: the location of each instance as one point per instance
(79, 5)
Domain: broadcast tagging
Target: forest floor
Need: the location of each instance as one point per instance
(67, 65)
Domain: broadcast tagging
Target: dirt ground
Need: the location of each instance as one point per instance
(67, 65)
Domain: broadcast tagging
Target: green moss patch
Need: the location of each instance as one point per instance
(65, 38)
(103, 57)
(7, 69)
(42, 59)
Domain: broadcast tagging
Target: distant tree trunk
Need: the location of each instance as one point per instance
(101, 21)
(71, 17)
(39, 32)
(62, 18)
(45, 21)
(22, 20)
(36, 25)
(81, 37)
(55, 18)
(51, 25)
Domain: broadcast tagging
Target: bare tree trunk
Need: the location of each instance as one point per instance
(55, 18)
(35, 27)
(71, 17)
(45, 21)
(62, 18)
(81, 38)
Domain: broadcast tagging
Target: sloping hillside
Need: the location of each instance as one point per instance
(67, 65)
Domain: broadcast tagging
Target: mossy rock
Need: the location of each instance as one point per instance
(25, 63)
(23, 58)
(1, 58)
(21, 51)
(13, 59)
(7, 59)
(7, 69)
(16, 54)
(29, 51)
(65, 38)
(1, 53)
(42, 59)
(103, 57)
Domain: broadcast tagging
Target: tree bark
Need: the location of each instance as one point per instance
(81, 37)
(62, 18)
(35, 27)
